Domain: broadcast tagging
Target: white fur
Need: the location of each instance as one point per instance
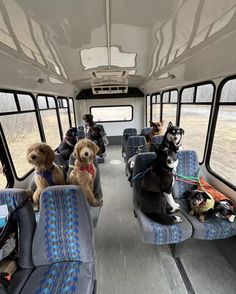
(169, 198)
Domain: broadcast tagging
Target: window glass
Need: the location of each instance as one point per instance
(155, 112)
(26, 102)
(148, 109)
(173, 97)
(42, 102)
(72, 113)
(51, 102)
(7, 102)
(194, 120)
(51, 128)
(64, 114)
(187, 95)
(169, 113)
(228, 93)
(19, 135)
(113, 113)
(158, 98)
(165, 97)
(223, 156)
(205, 93)
(3, 178)
(154, 99)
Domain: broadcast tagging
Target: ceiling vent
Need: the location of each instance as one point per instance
(109, 82)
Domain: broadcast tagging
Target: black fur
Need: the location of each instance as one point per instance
(95, 134)
(157, 180)
(223, 209)
(67, 145)
(176, 133)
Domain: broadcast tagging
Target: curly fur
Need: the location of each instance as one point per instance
(41, 156)
(84, 171)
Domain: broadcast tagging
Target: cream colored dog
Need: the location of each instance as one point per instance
(84, 171)
(47, 173)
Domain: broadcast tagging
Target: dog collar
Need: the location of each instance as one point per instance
(89, 168)
(47, 175)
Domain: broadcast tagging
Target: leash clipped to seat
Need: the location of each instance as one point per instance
(140, 175)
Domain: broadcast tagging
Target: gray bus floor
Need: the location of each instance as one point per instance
(126, 265)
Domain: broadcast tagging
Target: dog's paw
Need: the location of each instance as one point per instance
(201, 218)
(191, 213)
(97, 203)
(178, 219)
(29, 194)
(175, 207)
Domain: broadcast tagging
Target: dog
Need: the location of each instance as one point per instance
(157, 129)
(156, 199)
(173, 134)
(224, 209)
(201, 204)
(84, 171)
(95, 135)
(47, 173)
(67, 145)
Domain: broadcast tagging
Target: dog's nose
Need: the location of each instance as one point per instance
(168, 161)
(33, 157)
(86, 154)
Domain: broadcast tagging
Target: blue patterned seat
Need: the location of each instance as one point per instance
(134, 144)
(212, 228)
(63, 245)
(145, 131)
(156, 141)
(152, 232)
(126, 134)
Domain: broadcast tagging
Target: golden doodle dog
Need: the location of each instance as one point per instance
(47, 173)
(84, 171)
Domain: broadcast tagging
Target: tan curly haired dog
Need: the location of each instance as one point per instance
(84, 171)
(47, 173)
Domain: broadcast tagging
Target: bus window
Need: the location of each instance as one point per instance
(223, 154)
(47, 108)
(112, 113)
(19, 133)
(156, 100)
(72, 112)
(148, 109)
(169, 107)
(64, 114)
(194, 116)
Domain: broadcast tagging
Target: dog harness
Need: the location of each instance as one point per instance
(88, 168)
(205, 206)
(47, 175)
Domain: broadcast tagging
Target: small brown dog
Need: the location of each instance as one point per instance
(84, 171)
(47, 173)
(157, 129)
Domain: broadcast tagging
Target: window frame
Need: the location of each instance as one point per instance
(214, 118)
(169, 102)
(38, 119)
(74, 116)
(114, 106)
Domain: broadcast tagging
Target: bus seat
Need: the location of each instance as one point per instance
(145, 131)
(95, 211)
(80, 134)
(153, 232)
(22, 213)
(103, 133)
(212, 228)
(81, 128)
(126, 134)
(63, 245)
(156, 141)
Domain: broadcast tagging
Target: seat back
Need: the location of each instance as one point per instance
(126, 134)
(64, 231)
(101, 127)
(187, 166)
(145, 131)
(80, 134)
(133, 144)
(142, 162)
(21, 211)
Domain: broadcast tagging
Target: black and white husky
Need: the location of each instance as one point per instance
(156, 200)
(173, 135)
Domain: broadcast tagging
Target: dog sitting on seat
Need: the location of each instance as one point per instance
(173, 134)
(224, 209)
(47, 173)
(201, 204)
(156, 199)
(84, 171)
(96, 136)
(157, 129)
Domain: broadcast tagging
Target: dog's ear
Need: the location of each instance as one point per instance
(95, 149)
(205, 196)
(50, 155)
(151, 123)
(170, 125)
(187, 194)
(181, 131)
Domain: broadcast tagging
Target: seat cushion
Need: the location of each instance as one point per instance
(211, 229)
(59, 278)
(155, 233)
